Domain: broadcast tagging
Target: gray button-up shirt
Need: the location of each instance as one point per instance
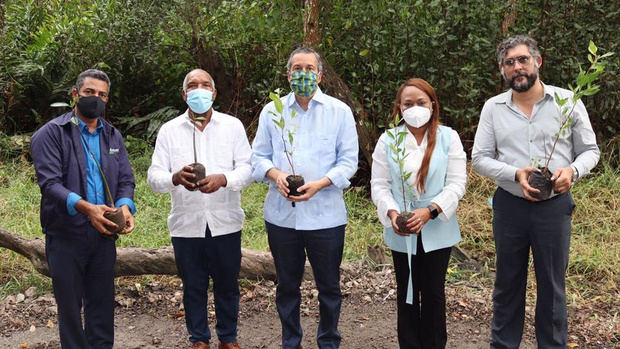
(506, 139)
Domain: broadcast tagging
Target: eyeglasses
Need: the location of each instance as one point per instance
(523, 60)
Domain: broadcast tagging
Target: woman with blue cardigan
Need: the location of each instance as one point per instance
(434, 157)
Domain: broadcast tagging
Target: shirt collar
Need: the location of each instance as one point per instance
(215, 118)
(506, 97)
(84, 129)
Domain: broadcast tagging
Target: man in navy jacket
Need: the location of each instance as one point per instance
(67, 153)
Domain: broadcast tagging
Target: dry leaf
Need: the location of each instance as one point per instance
(50, 324)
(24, 345)
(572, 345)
(33, 328)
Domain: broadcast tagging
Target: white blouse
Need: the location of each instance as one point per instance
(381, 178)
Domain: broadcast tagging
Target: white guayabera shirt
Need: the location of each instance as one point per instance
(223, 148)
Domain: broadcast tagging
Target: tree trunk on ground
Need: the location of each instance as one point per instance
(336, 86)
(143, 261)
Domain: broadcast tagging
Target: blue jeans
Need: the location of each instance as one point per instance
(82, 271)
(198, 259)
(324, 249)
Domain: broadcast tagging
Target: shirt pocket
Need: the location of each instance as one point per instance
(222, 157)
(327, 151)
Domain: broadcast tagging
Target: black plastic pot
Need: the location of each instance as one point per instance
(199, 171)
(541, 180)
(294, 182)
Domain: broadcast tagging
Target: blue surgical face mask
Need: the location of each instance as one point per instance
(199, 100)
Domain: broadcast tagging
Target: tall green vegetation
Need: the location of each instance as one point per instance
(147, 46)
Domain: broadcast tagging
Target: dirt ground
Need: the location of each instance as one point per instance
(151, 316)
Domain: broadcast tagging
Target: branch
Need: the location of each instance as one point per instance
(143, 261)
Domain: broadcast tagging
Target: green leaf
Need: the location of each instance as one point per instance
(592, 48)
(364, 52)
(290, 137)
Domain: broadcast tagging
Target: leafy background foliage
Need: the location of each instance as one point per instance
(147, 47)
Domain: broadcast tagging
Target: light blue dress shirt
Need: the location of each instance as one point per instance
(507, 140)
(95, 191)
(325, 144)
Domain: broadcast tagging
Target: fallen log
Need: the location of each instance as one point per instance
(131, 261)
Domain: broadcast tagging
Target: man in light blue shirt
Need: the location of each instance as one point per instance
(325, 150)
(516, 129)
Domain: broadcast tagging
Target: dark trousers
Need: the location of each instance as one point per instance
(519, 225)
(422, 326)
(324, 249)
(82, 270)
(198, 259)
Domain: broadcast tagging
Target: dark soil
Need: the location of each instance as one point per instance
(117, 217)
(401, 221)
(541, 180)
(199, 172)
(149, 314)
(294, 182)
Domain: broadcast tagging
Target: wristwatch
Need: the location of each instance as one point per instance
(575, 174)
(434, 212)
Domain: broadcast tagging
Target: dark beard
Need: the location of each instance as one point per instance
(531, 79)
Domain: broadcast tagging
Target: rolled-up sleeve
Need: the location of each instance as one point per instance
(347, 149)
(262, 149)
(456, 179)
(584, 141)
(241, 175)
(159, 174)
(483, 156)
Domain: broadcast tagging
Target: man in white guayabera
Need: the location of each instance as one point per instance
(325, 154)
(206, 217)
(515, 130)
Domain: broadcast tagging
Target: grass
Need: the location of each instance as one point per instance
(594, 264)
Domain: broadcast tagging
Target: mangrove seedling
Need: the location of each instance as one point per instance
(286, 133)
(399, 154)
(585, 86)
(197, 168)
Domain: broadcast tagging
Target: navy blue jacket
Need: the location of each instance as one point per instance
(60, 163)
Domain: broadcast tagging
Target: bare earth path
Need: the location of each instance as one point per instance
(151, 316)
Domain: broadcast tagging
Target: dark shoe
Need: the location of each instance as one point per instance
(233, 345)
(199, 345)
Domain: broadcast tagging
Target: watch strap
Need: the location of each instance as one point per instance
(434, 211)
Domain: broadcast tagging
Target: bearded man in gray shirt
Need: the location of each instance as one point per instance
(515, 131)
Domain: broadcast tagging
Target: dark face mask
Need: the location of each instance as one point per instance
(91, 107)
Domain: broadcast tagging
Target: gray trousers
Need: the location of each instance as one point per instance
(519, 225)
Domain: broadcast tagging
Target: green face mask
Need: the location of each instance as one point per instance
(304, 83)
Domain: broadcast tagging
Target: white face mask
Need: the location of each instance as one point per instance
(417, 116)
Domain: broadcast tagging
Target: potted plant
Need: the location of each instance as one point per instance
(399, 154)
(294, 180)
(117, 215)
(197, 168)
(541, 179)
